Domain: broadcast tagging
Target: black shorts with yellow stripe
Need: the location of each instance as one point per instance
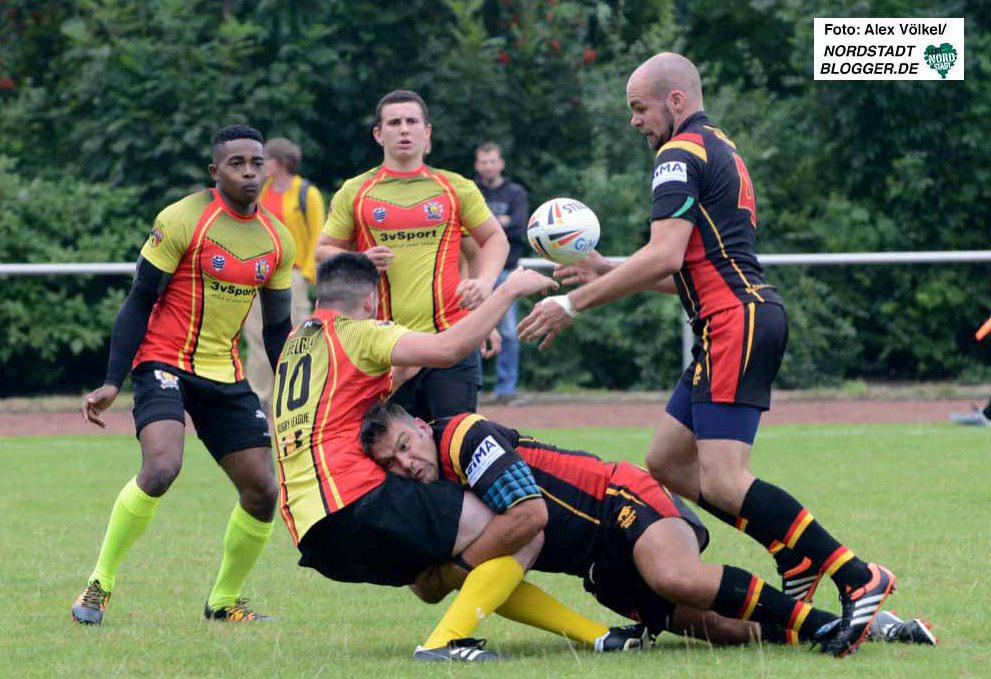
(737, 354)
(635, 501)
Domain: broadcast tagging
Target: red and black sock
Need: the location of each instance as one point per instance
(784, 558)
(744, 596)
(770, 514)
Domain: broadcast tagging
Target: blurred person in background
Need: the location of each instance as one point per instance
(298, 204)
(508, 202)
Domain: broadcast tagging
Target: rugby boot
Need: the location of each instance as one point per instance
(801, 581)
(239, 612)
(89, 606)
(859, 608)
(457, 650)
(625, 638)
(889, 627)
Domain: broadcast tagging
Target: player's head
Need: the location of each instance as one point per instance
(282, 155)
(402, 127)
(399, 443)
(238, 164)
(661, 93)
(488, 162)
(348, 282)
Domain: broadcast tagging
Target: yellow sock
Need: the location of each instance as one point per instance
(486, 588)
(530, 605)
(244, 542)
(132, 514)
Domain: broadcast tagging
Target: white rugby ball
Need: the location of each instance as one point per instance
(563, 230)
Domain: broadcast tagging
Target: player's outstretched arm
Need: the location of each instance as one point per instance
(447, 348)
(130, 327)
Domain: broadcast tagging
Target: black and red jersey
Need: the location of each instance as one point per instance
(699, 176)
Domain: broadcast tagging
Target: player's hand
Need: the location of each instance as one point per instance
(585, 271)
(547, 320)
(523, 282)
(96, 402)
(381, 257)
(473, 292)
(492, 345)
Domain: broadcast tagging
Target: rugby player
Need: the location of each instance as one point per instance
(350, 520)
(703, 247)
(408, 219)
(206, 259)
(635, 544)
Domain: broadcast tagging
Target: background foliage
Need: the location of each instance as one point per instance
(106, 109)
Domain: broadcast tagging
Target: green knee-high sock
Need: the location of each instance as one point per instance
(132, 513)
(244, 542)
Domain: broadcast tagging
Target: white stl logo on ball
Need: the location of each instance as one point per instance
(563, 230)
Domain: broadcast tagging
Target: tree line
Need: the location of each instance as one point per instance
(106, 111)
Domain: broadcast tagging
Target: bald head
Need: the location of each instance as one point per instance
(665, 73)
(662, 93)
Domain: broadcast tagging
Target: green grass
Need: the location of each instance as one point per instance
(912, 496)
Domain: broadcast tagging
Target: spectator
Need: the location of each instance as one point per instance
(297, 203)
(508, 202)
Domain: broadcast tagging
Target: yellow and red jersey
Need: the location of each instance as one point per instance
(217, 260)
(420, 216)
(332, 369)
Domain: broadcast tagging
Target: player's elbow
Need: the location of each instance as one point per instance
(531, 517)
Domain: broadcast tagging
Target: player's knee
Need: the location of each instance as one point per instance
(260, 496)
(678, 584)
(156, 477)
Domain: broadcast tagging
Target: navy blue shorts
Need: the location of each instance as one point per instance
(227, 417)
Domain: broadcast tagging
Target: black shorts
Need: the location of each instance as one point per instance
(227, 417)
(737, 355)
(434, 393)
(636, 501)
(388, 535)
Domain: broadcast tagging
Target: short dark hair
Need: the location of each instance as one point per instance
(401, 97)
(232, 132)
(487, 147)
(346, 278)
(378, 418)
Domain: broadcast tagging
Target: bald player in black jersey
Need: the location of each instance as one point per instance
(703, 248)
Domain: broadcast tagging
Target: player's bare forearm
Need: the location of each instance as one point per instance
(491, 258)
(509, 532)
(666, 286)
(640, 272)
(328, 246)
(661, 257)
(447, 348)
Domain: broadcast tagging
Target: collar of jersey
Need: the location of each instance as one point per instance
(223, 206)
(698, 116)
(412, 173)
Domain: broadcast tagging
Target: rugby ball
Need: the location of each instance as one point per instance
(563, 230)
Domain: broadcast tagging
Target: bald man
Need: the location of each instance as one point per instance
(703, 248)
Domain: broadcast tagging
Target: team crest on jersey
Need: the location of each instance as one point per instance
(262, 269)
(434, 210)
(627, 515)
(218, 262)
(157, 235)
(166, 380)
(379, 213)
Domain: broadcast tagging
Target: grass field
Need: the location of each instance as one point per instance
(914, 497)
